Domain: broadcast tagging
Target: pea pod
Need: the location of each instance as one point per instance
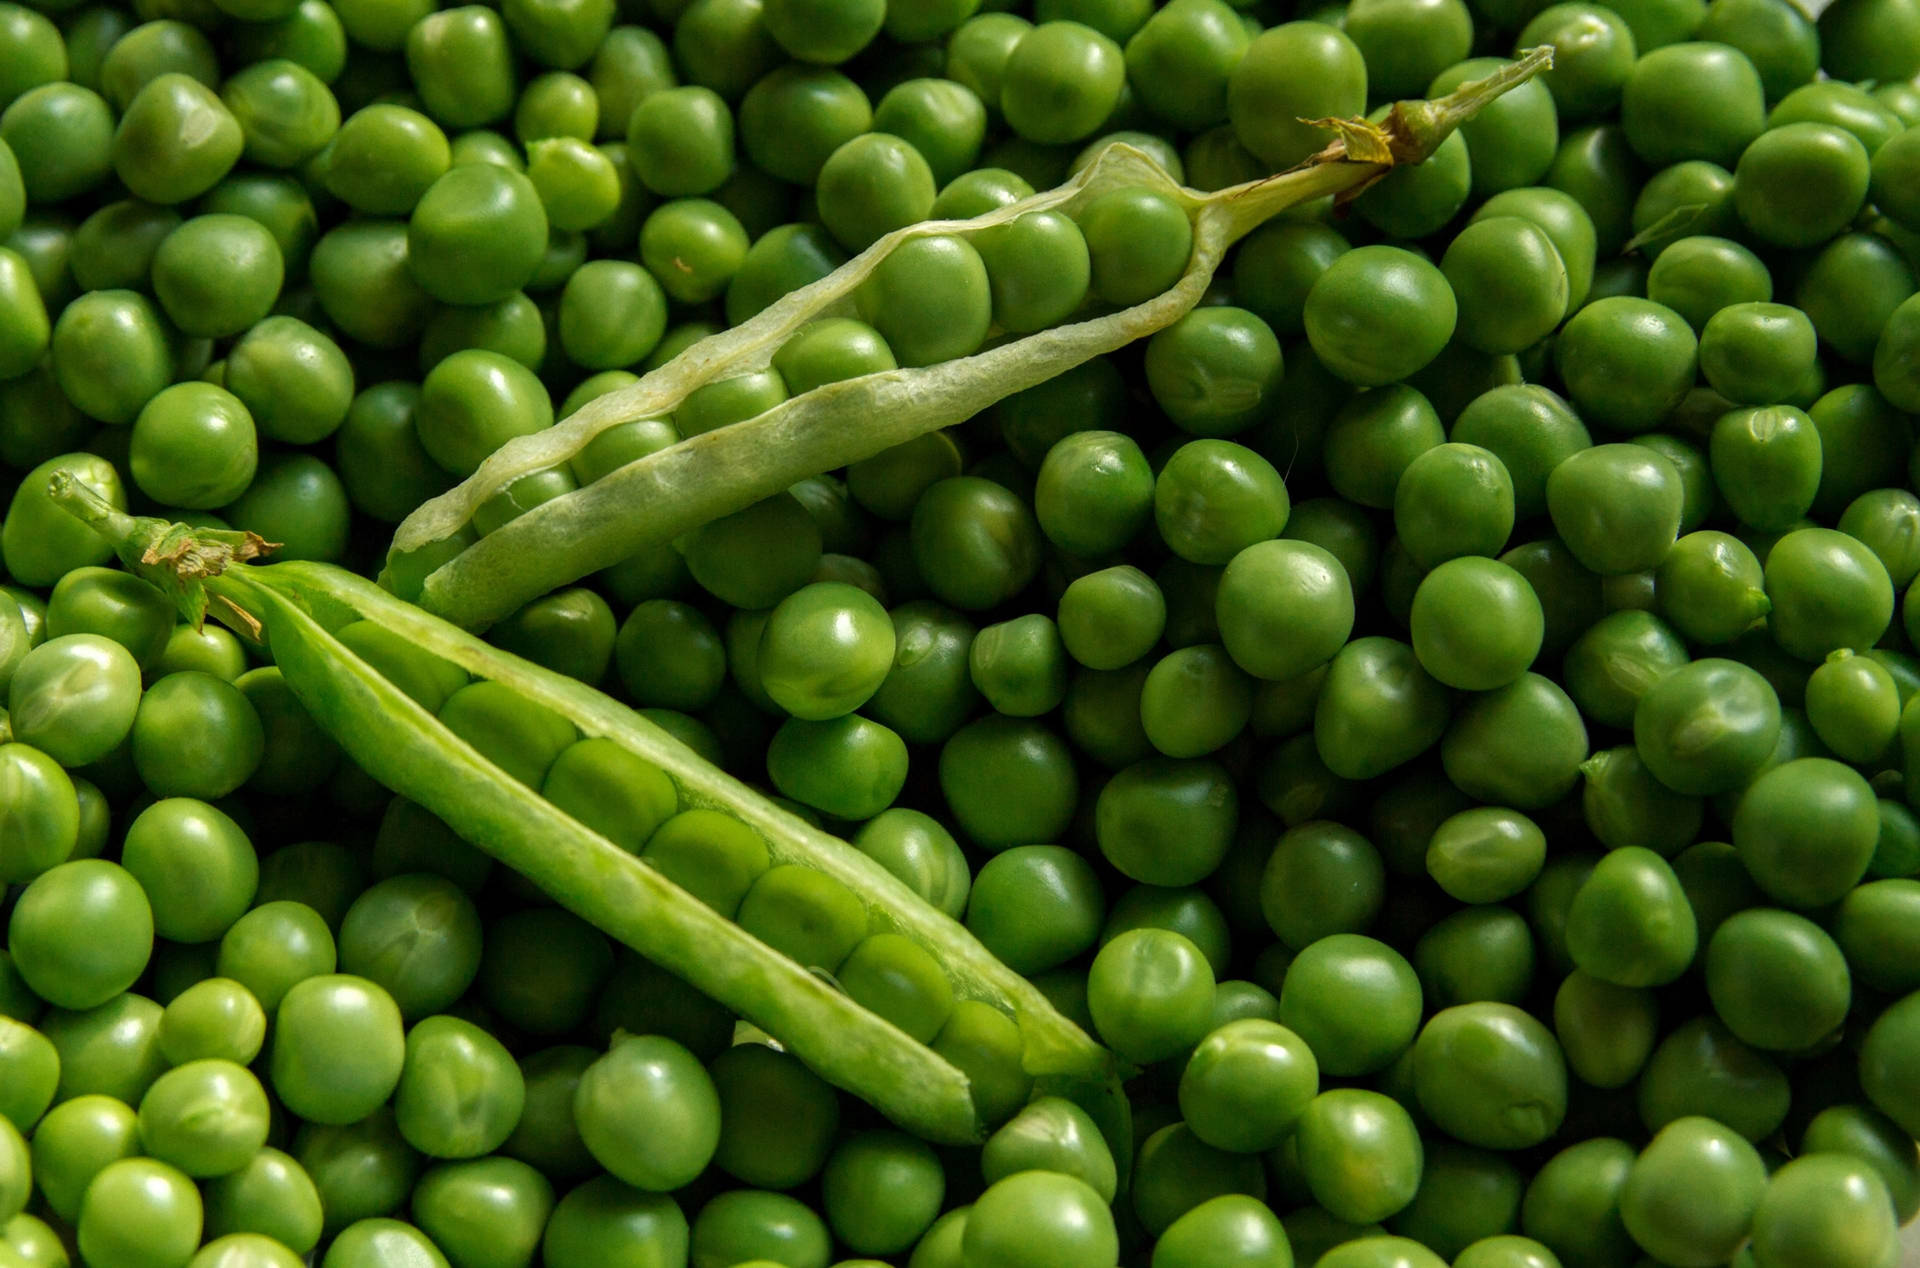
(665, 494)
(296, 608)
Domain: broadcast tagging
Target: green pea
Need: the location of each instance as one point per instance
(1509, 280)
(1605, 1031)
(1850, 290)
(1617, 507)
(1805, 830)
(604, 1217)
(930, 298)
(477, 233)
(338, 1048)
(1854, 604)
(1871, 1137)
(139, 1211)
(1630, 923)
(1571, 1206)
(1343, 315)
(1692, 1191)
(847, 766)
(1710, 586)
(1360, 1154)
(755, 557)
(1378, 709)
(1138, 243)
(460, 63)
(207, 1117)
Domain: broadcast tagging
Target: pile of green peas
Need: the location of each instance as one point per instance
(1439, 712)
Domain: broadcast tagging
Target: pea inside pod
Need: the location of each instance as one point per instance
(928, 291)
(850, 968)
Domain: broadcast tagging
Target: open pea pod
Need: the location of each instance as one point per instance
(476, 581)
(297, 608)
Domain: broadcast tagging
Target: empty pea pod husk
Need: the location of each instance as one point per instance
(660, 497)
(294, 609)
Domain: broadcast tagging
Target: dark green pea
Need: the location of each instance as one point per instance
(1766, 464)
(1572, 1203)
(1213, 498)
(1008, 781)
(1093, 492)
(1195, 701)
(1344, 315)
(1638, 394)
(1283, 608)
(1721, 1177)
(1453, 500)
(1806, 830)
(239, 252)
(461, 65)
(1690, 199)
(1276, 266)
(112, 351)
(1520, 745)
(1623, 804)
(1510, 283)
(975, 542)
(1594, 52)
(286, 114)
(604, 1216)
(848, 766)
(1564, 220)
(476, 234)
(1707, 727)
(297, 501)
(1595, 167)
(1715, 83)
(363, 284)
(928, 693)
(1777, 980)
(1851, 289)
(384, 158)
(1855, 596)
(1854, 706)
(1019, 666)
(1292, 72)
(1861, 434)
(1605, 1031)
(296, 381)
(61, 138)
(1777, 38)
(1630, 923)
(114, 247)
(1798, 184)
(1616, 506)
(1377, 709)
(1360, 1154)
(1374, 438)
(1710, 587)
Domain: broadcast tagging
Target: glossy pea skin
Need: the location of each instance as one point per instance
(1617, 507)
(1214, 370)
(139, 1211)
(1213, 498)
(1486, 854)
(1346, 315)
(1766, 464)
(1378, 709)
(1630, 923)
(1853, 706)
(1283, 608)
(1626, 362)
(1247, 1084)
(1453, 500)
(1037, 1218)
(1714, 76)
(1322, 1001)
(1158, 799)
(1803, 831)
(1691, 1193)
(622, 1098)
(1798, 184)
(1828, 592)
(1360, 1154)
(1150, 991)
(81, 933)
(1757, 353)
(1138, 244)
(338, 1048)
(1509, 282)
(1491, 1075)
(1710, 587)
(930, 298)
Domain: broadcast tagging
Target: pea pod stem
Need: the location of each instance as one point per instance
(667, 494)
(294, 607)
